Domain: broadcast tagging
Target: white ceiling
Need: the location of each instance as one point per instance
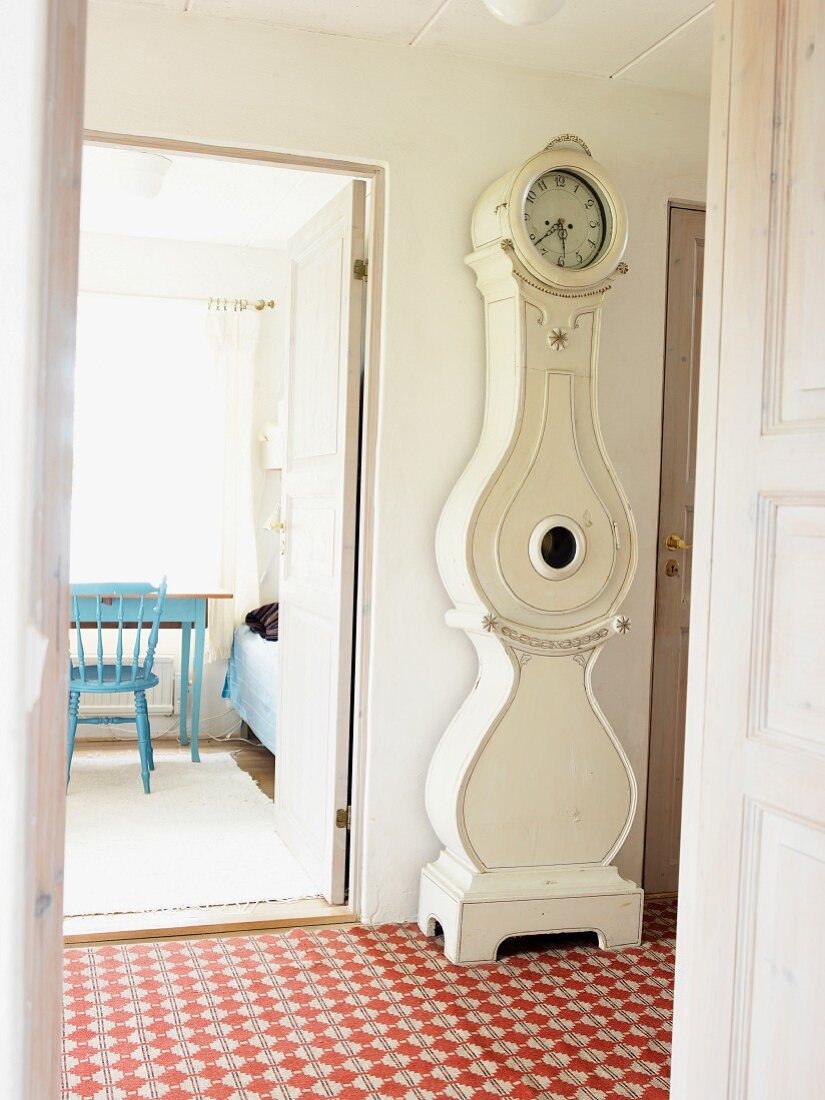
(202, 199)
(659, 43)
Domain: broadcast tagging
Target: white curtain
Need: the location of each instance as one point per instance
(235, 337)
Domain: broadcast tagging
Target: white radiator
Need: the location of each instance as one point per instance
(160, 700)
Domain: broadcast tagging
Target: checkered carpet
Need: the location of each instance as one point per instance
(356, 1012)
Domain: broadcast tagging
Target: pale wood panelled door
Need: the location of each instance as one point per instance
(318, 511)
(686, 254)
(750, 985)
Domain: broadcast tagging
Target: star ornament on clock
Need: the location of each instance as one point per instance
(558, 339)
(622, 624)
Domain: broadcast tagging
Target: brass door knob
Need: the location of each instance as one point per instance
(673, 542)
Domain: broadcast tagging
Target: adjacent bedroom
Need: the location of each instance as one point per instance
(214, 509)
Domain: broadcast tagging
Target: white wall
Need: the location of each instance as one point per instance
(445, 127)
(162, 268)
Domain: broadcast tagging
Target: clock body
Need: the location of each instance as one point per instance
(530, 791)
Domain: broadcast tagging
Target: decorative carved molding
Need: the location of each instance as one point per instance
(561, 645)
(622, 624)
(506, 245)
(558, 339)
(560, 139)
(554, 290)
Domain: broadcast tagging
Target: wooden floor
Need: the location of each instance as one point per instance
(259, 763)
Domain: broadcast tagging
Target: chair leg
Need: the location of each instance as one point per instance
(144, 740)
(74, 702)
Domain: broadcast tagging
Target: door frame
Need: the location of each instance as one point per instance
(672, 204)
(375, 175)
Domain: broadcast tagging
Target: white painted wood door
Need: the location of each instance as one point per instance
(750, 985)
(319, 513)
(673, 567)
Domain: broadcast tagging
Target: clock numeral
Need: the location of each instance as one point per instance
(594, 225)
(581, 258)
(560, 261)
(560, 181)
(591, 242)
(575, 189)
(531, 196)
(532, 236)
(542, 185)
(589, 203)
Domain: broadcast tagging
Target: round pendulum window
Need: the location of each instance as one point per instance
(557, 547)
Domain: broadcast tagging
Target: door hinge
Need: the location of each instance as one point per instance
(343, 818)
(361, 269)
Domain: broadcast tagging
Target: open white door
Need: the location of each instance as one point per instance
(319, 513)
(750, 959)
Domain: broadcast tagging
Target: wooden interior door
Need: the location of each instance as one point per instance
(750, 968)
(319, 513)
(686, 253)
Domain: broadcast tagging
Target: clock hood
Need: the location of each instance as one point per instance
(499, 215)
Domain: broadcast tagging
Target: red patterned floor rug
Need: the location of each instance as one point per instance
(359, 1012)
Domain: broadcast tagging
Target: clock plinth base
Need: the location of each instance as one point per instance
(477, 911)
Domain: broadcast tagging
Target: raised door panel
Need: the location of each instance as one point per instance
(781, 961)
(312, 551)
(789, 685)
(313, 413)
(309, 707)
(795, 379)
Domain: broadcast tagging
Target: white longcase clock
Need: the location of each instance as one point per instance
(529, 790)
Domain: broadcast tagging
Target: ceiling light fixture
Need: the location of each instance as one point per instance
(521, 13)
(142, 173)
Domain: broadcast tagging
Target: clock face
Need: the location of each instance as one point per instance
(566, 220)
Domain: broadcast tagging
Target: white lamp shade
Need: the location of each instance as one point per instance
(521, 13)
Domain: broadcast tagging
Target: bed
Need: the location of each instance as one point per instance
(251, 683)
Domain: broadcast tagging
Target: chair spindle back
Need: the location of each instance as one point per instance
(126, 596)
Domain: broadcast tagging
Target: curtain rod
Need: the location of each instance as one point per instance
(258, 304)
(241, 303)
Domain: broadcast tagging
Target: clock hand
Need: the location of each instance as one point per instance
(552, 229)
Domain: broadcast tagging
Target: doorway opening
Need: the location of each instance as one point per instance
(683, 323)
(223, 341)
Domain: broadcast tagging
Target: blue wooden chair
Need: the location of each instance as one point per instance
(140, 605)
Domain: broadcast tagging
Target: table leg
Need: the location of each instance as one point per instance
(185, 635)
(197, 674)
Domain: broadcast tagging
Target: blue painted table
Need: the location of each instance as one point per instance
(181, 611)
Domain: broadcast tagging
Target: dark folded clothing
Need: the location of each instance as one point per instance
(264, 621)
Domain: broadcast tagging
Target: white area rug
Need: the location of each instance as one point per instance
(204, 836)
